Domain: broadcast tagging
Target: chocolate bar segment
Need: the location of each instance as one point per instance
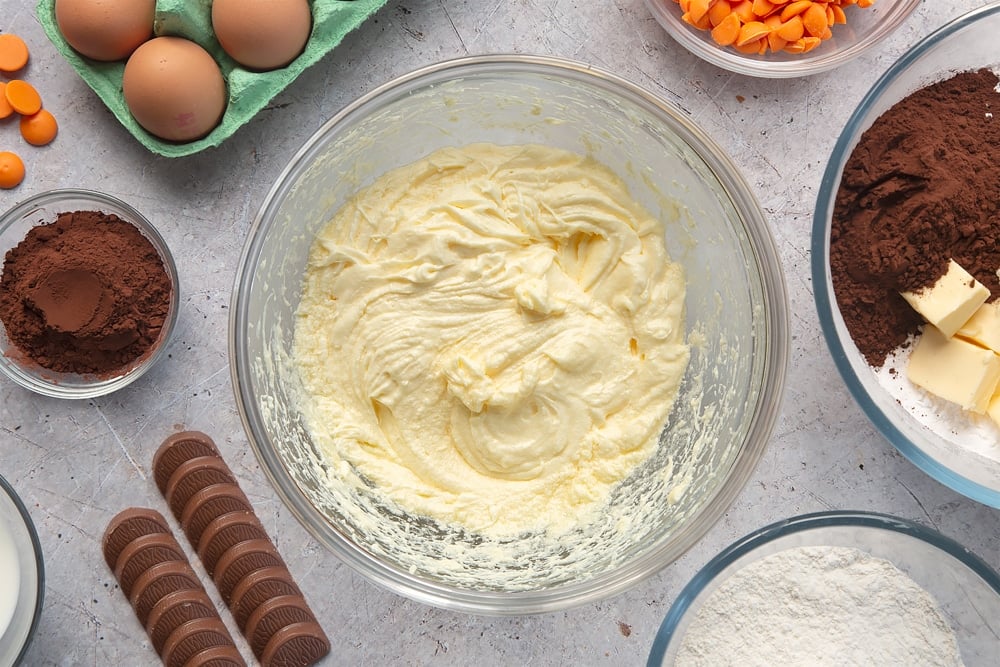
(209, 504)
(271, 616)
(217, 656)
(296, 644)
(143, 553)
(192, 476)
(239, 561)
(174, 610)
(159, 581)
(128, 525)
(192, 638)
(258, 587)
(177, 449)
(225, 532)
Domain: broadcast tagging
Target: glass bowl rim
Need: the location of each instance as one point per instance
(36, 546)
(822, 278)
(739, 63)
(798, 524)
(97, 388)
(775, 348)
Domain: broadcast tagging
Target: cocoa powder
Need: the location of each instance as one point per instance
(85, 294)
(921, 187)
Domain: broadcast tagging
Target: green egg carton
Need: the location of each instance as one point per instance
(249, 91)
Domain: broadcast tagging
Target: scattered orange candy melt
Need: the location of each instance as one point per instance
(5, 108)
(13, 53)
(759, 26)
(40, 128)
(11, 170)
(23, 97)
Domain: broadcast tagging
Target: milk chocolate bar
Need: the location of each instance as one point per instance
(237, 552)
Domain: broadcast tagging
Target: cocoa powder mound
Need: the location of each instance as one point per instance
(85, 294)
(921, 187)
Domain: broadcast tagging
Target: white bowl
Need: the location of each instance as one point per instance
(22, 577)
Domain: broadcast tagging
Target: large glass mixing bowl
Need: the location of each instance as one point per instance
(736, 319)
(967, 43)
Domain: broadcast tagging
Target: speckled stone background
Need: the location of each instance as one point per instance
(76, 464)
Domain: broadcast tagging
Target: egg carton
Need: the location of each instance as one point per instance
(248, 91)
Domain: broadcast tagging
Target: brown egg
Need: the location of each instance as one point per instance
(262, 34)
(105, 29)
(174, 89)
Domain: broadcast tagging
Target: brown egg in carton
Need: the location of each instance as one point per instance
(232, 544)
(167, 596)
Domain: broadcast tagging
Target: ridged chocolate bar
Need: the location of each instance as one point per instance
(154, 574)
(237, 552)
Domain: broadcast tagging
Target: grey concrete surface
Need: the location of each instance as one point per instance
(76, 464)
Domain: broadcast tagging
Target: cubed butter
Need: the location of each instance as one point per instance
(954, 369)
(983, 328)
(993, 409)
(951, 301)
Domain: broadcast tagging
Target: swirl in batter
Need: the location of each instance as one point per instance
(492, 337)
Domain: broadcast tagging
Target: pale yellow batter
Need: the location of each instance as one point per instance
(492, 337)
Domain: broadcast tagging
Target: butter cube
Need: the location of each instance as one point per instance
(993, 409)
(954, 369)
(951, 301)
(983, 327)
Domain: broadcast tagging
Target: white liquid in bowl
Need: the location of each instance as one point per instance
(10, 577)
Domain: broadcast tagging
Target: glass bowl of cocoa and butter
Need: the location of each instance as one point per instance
(88, 294)
(905, 255)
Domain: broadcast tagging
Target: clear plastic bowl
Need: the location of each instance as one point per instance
(864, 29)
(967, 43)
(20, 552)
(44, 208)
(736, 299)
(966, 589)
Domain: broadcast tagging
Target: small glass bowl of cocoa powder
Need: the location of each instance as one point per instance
(88, 294)
(914, 183)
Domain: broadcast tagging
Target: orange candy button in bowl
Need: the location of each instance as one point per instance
(759, 26)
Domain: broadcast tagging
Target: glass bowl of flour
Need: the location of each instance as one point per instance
(22, 579)
(883, 221)
(509, 334)
(836, 588)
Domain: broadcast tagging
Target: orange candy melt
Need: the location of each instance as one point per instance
(40, 128)
(5, 108)
(759, 26)
(13, 53)
(11, 170)
(23, 97)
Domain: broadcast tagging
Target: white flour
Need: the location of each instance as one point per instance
(819, 606)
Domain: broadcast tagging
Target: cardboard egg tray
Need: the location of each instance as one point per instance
(249, 92)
